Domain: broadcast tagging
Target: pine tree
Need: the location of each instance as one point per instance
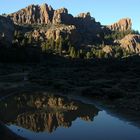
(52, 44)
(73, 52)
(60, 45)
(88, 55)
(43, 46)
(57, 44)
(30, 39)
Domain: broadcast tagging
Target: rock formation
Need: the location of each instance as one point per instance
(55, 32)
(33, 14)
(87, 27)
(122, 25)
(64, 31)
(82, 30)
(44, 14)
(131, 43)
(61, 16)
(84, 21)
(6, 30)
(107, 49)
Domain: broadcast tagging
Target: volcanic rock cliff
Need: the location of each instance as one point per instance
(42, 23)
(43, 14)
(60, 23)
(33, 14)
(122, 25)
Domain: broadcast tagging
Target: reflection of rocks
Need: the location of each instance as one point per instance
(45, 113)
(43, 121)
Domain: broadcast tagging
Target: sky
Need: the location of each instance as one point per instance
(104, 11)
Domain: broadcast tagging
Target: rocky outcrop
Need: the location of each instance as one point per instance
(122, 25)
(6, 30)
(69, 31)
(44, 14)
(88, 28)
(82, 29)
(131, 43)
(33, 14)
(107, 49)
(84, 21)
(53, 24)
(61, 16)
(55, 32)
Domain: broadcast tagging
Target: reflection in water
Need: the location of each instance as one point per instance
(42, 112)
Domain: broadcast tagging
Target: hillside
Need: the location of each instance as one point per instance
(40, 28)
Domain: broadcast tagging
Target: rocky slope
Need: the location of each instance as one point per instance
(41, 23)
(83, 24)
(55, 32)
(131, 43)
(82, 28)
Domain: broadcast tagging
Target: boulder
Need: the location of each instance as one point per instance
(107, 49)
(131, 43)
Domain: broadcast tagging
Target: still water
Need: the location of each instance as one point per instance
(52, 117)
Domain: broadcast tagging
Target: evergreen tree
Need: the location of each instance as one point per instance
(88, 55)
(57, 44)
(72, 52)
(60, 45)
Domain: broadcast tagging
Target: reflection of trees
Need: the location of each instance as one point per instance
(43, 112)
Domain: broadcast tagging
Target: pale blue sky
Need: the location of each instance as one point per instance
(105, 11)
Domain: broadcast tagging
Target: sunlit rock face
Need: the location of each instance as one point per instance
(64, 31)
(6, 30)
(33, 14)
(46, 23)
(107, 49)
(44, 112)
(131, 43)
(55, 32)
(122, 25)
(58, 23)
(41, 14)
